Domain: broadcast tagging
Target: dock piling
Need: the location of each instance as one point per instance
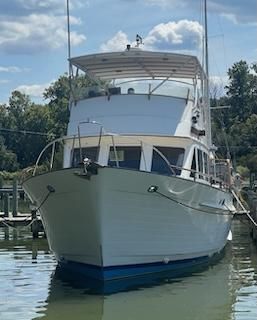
(15, 198)
(6, 200)
(35, 224)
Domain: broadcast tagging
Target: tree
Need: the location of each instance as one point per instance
(8, 160)
(240, 91)
(237, 126)
(59, 95)
(19, 116)
(36, 119)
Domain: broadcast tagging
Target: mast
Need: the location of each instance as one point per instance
(206, 67)
(70, 71)
(68, 34)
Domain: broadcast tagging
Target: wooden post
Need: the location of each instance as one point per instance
(15, 198)
(34, 225)
(6, 204)
(6, 233)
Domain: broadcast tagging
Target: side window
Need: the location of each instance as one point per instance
(90, 152)
(206, 165)
(128, 157)
(175, 156)
(193, 166)
(200, 162)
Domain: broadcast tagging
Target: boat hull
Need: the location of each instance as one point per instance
(112, 227)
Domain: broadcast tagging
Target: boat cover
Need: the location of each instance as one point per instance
(139, 64)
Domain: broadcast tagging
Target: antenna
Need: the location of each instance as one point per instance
(139, 40)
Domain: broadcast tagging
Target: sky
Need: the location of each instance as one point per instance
(33, 35)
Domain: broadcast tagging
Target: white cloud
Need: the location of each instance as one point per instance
(34, 90)
(229, 16)
(117, 43)
(181, 35)
(234, 10)
(12, 69)
(3, 81)
(217, 86)
(36, 33)
(165, 3)
(26, 7)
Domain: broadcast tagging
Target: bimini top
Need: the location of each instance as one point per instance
(136, 63)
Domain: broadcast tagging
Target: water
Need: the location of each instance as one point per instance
(31, 288)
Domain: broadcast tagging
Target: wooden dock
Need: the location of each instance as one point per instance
(30, 220)
(11, 217)
(251, 199)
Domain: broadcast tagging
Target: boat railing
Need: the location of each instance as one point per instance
(223, 170)
(211, 178)
(49, 165)
(219, 177)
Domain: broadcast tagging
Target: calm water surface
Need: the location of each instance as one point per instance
(32, 288)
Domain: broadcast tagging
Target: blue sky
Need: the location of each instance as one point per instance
(33, 39)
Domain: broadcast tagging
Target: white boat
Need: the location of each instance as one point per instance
(140, 190)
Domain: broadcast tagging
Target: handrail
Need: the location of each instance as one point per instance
(151, 79)
(83, 92)
(45, 148)
(165, 159)
(209, 176)
(53, 144)
(172, 167)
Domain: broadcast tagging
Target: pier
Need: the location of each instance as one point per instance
(11, 217)
(251, 198)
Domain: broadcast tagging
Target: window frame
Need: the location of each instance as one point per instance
(119, 146)
(170, 170)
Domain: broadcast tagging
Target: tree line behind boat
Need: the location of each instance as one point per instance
(26, 127)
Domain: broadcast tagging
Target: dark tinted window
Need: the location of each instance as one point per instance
(206, 165)
(90, 153)
(128, 157)
(193, 166)
(200, 162)
(175, 157)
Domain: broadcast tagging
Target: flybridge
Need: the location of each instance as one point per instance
(139, 64)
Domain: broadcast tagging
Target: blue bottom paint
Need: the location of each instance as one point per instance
(128, 271)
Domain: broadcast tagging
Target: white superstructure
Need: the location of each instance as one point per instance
(140, 190)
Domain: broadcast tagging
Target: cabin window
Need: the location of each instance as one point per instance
(127, 157)
(90, 153)
(200, 162)
(175, 157)
(193, 166)
(206, 165)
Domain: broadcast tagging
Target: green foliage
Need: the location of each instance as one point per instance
(239, 91)
(58, 95)
(243, 171)
(19, 116)
(9, 176)
(8, 159)
(236, 127)
(58, 107)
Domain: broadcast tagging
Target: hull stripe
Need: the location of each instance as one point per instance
(116, 272)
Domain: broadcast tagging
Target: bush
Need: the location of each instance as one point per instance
(243, 171)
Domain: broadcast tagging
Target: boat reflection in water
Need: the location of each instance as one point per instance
(203, 294)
